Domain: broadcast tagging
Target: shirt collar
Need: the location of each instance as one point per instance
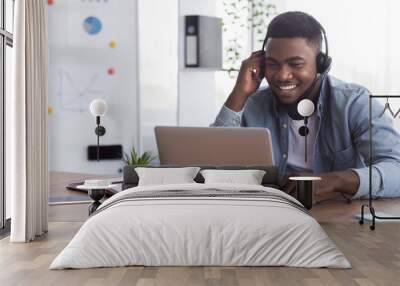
(324, 90)
(323, 95)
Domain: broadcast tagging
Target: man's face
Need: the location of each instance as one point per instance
(290, 67)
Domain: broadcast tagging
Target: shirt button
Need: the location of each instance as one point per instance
(284, 155)
(284, 125)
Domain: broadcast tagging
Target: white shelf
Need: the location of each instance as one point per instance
(199, 69)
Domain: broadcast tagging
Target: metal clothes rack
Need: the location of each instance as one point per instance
(370, 200)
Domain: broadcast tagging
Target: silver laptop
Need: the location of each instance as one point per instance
(214, 146)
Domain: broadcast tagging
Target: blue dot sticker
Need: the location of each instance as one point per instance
(92, 25)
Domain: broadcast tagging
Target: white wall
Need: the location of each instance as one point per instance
(158, 67)
(201, 91)
(76, 59)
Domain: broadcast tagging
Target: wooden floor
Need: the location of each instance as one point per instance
(374, 255)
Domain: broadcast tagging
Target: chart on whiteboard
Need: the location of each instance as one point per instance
(77, 87)
(94, 28)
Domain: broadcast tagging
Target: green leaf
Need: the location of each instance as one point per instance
(135, 159)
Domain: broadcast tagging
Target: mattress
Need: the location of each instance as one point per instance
(201, 225)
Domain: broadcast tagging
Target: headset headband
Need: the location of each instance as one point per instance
(323, 36)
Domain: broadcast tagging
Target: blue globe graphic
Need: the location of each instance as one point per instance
(92, 25)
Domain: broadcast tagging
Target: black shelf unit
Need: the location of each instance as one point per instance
(370, 199)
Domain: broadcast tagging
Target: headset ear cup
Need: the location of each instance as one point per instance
(320, 62)
(323, 63)
(328, 63)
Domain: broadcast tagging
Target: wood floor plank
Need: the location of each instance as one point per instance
(212, 273)
(375, 257)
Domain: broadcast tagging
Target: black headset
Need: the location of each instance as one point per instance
(323, 61)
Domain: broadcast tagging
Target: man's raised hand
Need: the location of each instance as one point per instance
(248, 81)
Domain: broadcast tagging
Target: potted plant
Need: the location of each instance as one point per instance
(138, 160)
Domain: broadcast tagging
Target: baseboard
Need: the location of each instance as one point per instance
(5, 231)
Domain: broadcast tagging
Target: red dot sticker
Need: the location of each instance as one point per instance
(50, 2)
(111, 71)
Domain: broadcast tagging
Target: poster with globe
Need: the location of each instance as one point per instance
(90, 23)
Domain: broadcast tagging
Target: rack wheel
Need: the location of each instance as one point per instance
(361, 222)
(372, 227)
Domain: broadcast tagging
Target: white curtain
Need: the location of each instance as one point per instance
(27, 122)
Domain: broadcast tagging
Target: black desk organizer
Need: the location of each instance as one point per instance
(370, 199)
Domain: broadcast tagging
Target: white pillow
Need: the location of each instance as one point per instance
(163, 176)
(248, 177)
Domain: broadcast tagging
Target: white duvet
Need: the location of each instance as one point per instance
(200, 231)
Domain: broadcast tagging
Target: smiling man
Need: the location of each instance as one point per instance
(337, 144)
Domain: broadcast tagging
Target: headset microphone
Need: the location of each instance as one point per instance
(305, 108)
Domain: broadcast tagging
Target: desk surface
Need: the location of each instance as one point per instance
(58, 181)
(57, 188)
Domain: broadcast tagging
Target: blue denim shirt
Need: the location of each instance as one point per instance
(342, 137)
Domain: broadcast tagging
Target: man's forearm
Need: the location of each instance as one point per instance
(236, 101)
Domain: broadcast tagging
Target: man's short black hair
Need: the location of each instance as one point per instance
(296, 24)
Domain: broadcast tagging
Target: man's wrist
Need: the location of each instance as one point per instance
(236, 100)
(347, 182)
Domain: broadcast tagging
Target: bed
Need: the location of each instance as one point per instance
(200, 224)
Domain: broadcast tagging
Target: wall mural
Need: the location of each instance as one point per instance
(92, 55)
(92, 25)
(77, 88)
(77, 85)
